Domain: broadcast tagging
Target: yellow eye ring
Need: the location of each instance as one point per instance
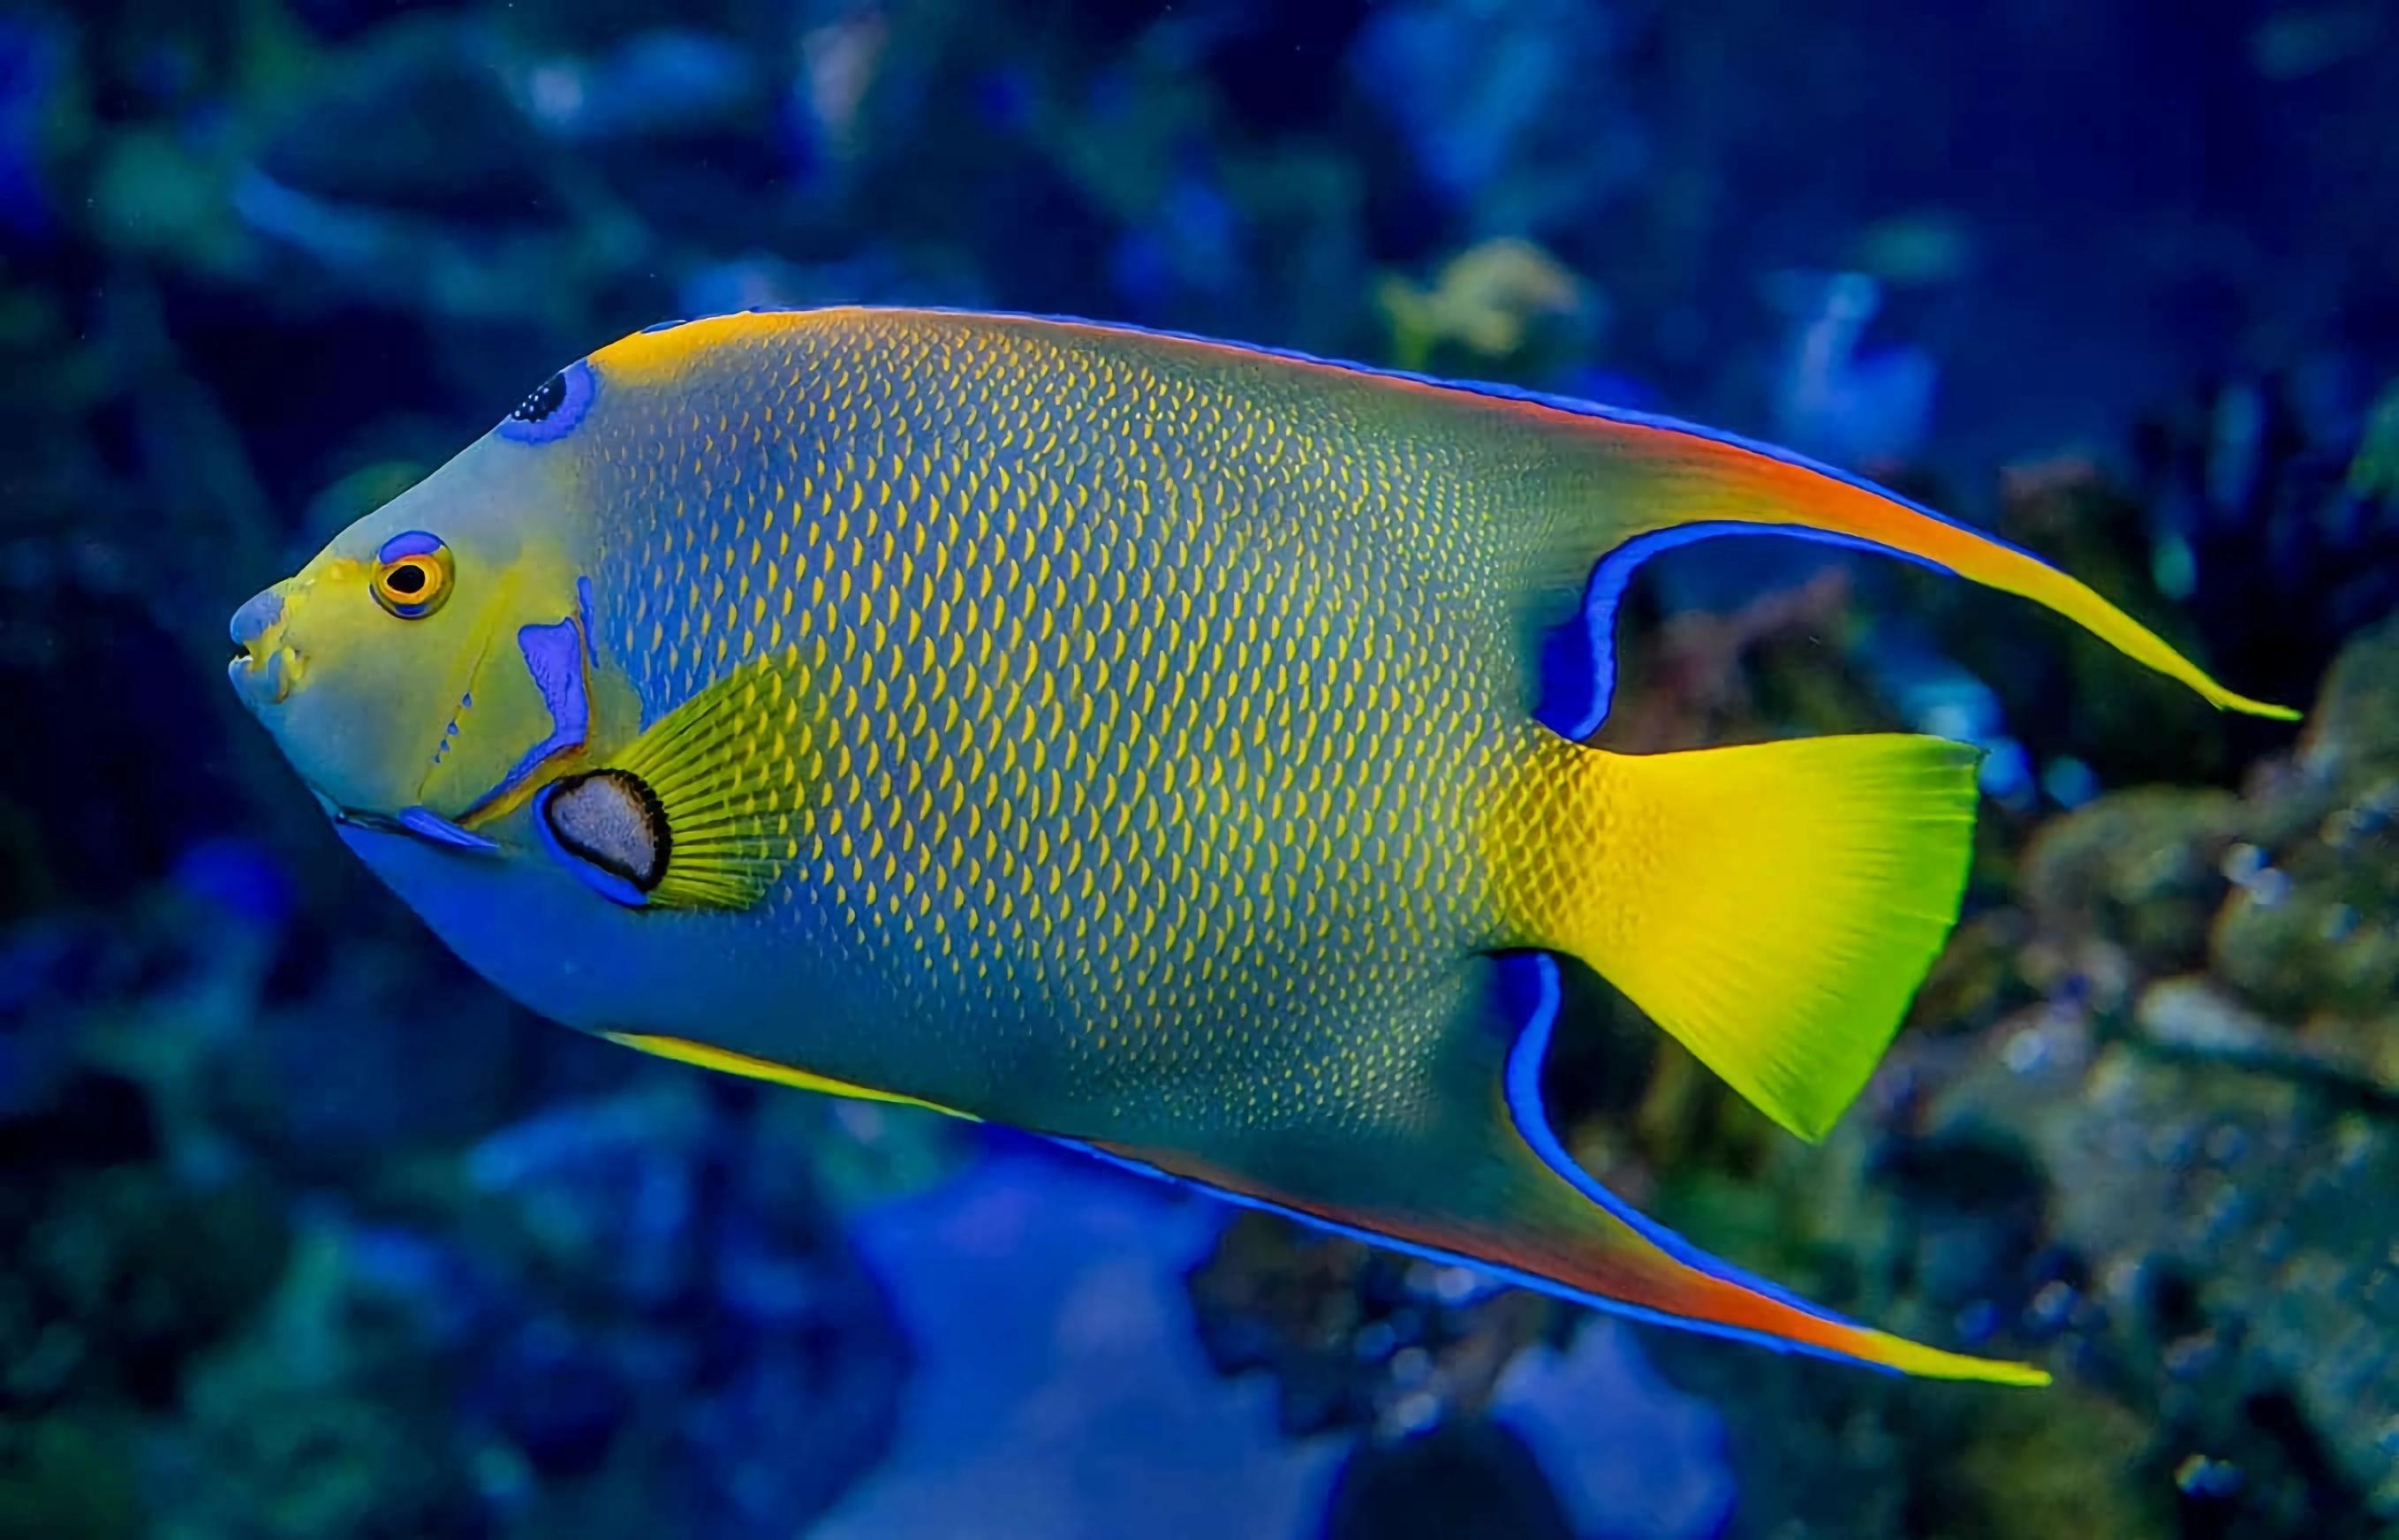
(413, 575)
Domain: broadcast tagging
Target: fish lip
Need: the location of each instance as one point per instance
(266, 679)
(264, 666)
(241, 672)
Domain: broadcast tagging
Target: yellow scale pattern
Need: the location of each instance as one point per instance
(1130, 716)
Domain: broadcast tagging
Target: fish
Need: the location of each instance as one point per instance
(1173, 747)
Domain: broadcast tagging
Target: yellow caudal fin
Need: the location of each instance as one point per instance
(1772, 907)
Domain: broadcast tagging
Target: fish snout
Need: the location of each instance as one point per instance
(265, 666)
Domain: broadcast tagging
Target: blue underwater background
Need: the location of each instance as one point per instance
(305, 1233)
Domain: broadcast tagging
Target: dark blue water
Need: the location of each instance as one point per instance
(305, 1233)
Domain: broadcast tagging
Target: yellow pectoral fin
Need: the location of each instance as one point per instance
(705, 809)
(685, 1051)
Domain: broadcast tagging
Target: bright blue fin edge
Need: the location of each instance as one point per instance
(1532, 1120)
(1577, 676)
(553, 656)
(1523, 1093)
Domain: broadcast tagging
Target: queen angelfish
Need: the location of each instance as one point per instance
(1169, 747)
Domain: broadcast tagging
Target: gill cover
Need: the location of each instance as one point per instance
(432, 664)
(524, 704)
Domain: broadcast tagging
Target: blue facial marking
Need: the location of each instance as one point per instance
(257, 613)
(553, 655)
(407, 543)
(553, 409)
(277, 682)
(450, 734)
(431, 826)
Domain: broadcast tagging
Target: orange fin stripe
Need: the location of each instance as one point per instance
(1624, 1274)
(1719, 479)
(1709, 477)
(1659, 1283)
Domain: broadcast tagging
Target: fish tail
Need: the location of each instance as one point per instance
(1690, 483)
(1772, 907)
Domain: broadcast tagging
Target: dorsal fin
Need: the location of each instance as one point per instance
(1664, 484)
(1623, 484)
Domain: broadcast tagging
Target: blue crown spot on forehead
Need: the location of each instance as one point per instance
(553, 409)
(407, 543)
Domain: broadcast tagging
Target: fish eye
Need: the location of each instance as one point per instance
(413, 575)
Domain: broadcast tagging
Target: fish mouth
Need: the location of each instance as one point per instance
(264, 679)
(264, 666)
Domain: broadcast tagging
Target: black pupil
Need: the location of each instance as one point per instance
(547, 398)
(407, 579)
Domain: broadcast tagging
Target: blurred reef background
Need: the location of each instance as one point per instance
(306, 1235)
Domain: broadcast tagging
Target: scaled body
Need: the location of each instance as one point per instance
(1150, 706)
(1137, 739)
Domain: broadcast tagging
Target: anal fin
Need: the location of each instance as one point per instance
(1484, 1181)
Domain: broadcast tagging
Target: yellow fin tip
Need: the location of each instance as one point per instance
(1937, 1364)
(2266, 709)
